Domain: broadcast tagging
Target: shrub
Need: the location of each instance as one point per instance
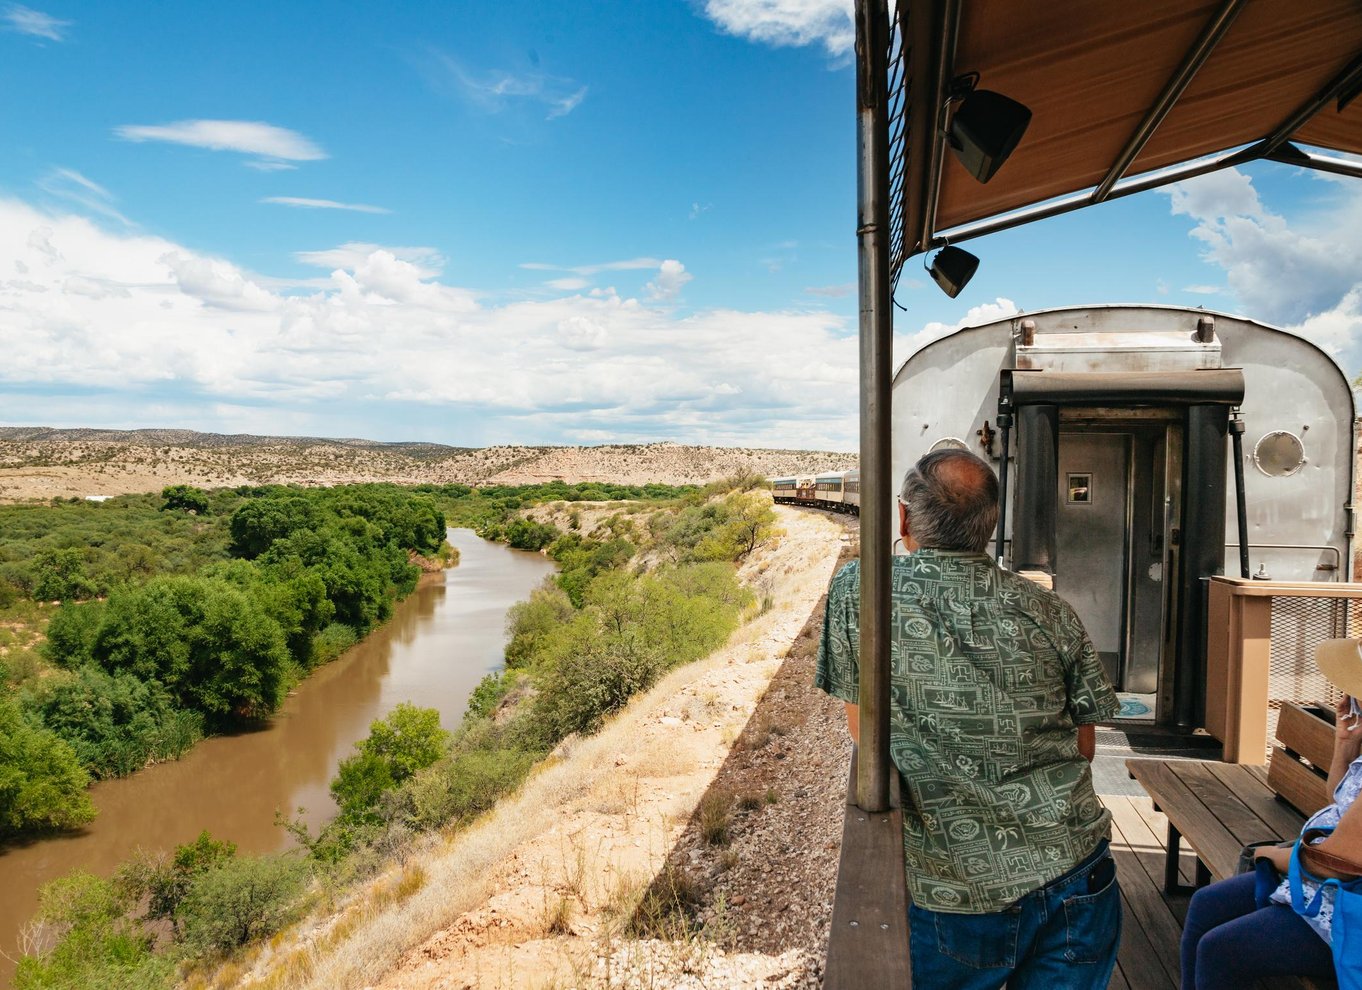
(466, 785)
(489, 692)
(186, 498)
(42, 784)
(99, 947)
(409, 740)
(115, 723)
(240, 900)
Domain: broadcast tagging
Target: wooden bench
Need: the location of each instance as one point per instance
(868, 937)
(1218, 808)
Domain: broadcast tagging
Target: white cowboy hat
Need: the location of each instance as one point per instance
(1340, 660)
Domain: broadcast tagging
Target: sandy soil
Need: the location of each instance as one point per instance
(539, 893)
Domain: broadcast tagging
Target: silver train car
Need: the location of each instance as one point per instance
(1114, 429)
(838, 491)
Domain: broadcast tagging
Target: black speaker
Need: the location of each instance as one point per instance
(952, 268)
(984, 130)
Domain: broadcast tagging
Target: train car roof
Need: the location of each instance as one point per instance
(1124, 97)
(1152, 314)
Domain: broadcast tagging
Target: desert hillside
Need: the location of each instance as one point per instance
(40, 463)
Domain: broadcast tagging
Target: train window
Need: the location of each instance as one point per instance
(1279, 454)
(1080, 489)
(950, 443)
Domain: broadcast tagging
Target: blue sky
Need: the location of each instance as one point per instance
(485, 222)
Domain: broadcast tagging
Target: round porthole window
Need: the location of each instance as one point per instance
(950, 443)
(1279, 454)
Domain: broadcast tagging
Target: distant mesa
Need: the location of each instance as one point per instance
(41, 462)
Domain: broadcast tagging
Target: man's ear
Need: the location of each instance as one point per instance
(905, 531)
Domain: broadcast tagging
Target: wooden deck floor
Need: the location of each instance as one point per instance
(1152, 923)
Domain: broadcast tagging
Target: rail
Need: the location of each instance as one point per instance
(1260, 648)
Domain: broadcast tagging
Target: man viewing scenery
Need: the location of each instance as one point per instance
(995, 690)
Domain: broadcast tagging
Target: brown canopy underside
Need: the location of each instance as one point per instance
(1091, 69)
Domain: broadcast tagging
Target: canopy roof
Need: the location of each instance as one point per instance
(1126, 95)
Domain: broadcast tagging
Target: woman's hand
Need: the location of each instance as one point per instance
(1346, 726)
(1279, 856)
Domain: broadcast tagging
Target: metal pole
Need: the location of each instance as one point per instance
(1237, 439)
(1005, 428)
(876, 339)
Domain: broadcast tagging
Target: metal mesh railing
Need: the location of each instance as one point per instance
(898, 139)
(1299, 625)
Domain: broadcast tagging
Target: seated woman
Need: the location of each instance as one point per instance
(1228, 942)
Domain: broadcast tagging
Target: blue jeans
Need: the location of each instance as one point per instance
(1228, 941)
(1060, 937)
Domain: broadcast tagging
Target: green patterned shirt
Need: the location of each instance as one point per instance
(989, 676)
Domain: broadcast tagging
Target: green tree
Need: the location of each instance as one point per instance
(42, 784)
(59, 575)
(408, 740)
(212, 645)
(185, 497)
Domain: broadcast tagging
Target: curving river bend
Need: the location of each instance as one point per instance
(440, 642)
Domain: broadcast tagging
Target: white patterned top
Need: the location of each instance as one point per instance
(1327, 817)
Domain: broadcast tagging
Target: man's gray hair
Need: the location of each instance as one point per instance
(952, 500)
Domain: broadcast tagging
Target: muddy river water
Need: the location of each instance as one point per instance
(441, 641)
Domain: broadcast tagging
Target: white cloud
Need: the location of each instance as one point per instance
(495, 90)
(1301, 274)
(788, 22)
(832, 291)
(427, 260)
(1203, 290)
(323, 204)
(567, 284)
(34, 23)
(70, 185)
(273, 145)
(628, 264)
(153, 325)
(906, 346)
(564, 105)
(698, 209)
(671, 279)
(263, 165)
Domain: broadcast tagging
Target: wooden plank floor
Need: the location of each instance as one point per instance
(1152, 923)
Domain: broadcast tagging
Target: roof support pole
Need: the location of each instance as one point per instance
(876, 340)
(1195, 58)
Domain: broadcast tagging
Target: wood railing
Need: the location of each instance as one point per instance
(1241, 653)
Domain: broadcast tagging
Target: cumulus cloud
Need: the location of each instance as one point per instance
(1300, 275)
(323, 204)
(426, 260)
(628, 264)
(269, 143)
(788, 22)
(143, 327)
(907, 345)
(34, 23)
(671, 278)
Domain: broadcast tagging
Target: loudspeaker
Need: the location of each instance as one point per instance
(952, 268)
(984, 130)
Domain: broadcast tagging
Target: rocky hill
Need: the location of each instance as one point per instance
(41, 463)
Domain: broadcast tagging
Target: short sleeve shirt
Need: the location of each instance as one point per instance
(990, 675)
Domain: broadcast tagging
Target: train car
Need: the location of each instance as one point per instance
(828, 489)
(1114, 430)
(806, 491)
(782, 490)
(851, 492)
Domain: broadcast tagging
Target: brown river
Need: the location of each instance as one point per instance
(441, 641)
